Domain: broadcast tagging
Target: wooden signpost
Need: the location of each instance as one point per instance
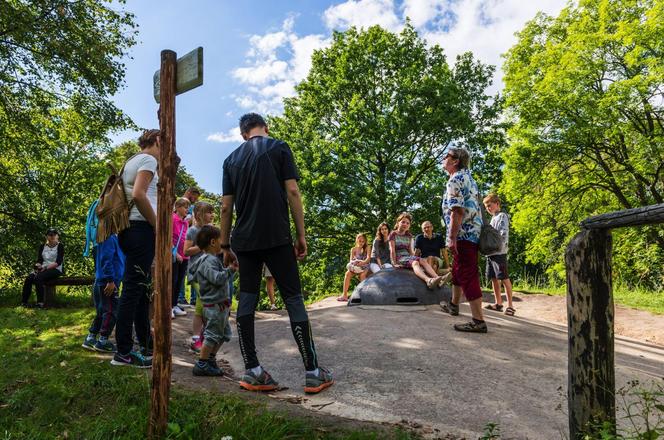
(174, 77)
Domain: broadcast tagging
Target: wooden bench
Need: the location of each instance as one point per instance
(49, 287)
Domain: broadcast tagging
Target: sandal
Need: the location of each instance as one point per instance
(342, 299)
(510, 311)
(495, 307)
(431, 282)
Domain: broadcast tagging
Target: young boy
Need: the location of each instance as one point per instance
(109, 268)
(212, 279)
(496, 264)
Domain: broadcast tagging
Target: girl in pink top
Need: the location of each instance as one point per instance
(180, 260)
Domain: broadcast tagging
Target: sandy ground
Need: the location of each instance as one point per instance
(419, 367)
(631, 323)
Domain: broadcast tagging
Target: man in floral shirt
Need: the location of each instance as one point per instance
(463, 219)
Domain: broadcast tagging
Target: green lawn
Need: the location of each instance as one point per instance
(52, 388)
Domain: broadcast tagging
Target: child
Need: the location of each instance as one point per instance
(109, 268)
(496, 264)
(180, 261)
(203, 215)
(269, 286)
(360, 256)
(212, 279)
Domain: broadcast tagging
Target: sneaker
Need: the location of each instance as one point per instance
(315, 383)
(89, 343)
(105, 346)
(273, 307)
(448, 307)
(208, 368)
(471, 327)
(133, 359)
(172, 313)
(177, 311)
(146, 352)
(182, 303)
(196, 345)
(262, 382)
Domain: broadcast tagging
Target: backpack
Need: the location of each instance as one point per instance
(113, 208)
(490, 240)
(91, 223)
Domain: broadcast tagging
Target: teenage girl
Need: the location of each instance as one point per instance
(360, 256)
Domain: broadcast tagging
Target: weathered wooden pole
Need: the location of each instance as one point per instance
(591, 372)
(161, 362)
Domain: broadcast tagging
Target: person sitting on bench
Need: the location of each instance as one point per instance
(50, 258)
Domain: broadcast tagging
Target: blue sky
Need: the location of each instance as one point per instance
(256, 51)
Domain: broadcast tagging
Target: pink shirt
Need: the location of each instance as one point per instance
(179, 225)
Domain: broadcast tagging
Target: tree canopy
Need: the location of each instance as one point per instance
(585, 93)
(369, 126)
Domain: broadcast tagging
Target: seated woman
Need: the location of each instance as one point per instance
(48, 267)
(402, 253)
(380, 250)
(358, 265)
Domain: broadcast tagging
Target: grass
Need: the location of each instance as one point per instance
(637, 298)
(51, 388)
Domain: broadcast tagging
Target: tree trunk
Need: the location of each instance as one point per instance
(591, 372)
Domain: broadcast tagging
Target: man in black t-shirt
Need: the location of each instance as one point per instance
(260, 181)
(432, 247)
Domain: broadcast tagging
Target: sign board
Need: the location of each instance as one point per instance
(189, 73)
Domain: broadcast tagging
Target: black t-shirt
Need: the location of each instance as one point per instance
(254, 174)
(429, 247)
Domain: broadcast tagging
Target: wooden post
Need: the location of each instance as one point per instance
(161, 363)
(591, 373)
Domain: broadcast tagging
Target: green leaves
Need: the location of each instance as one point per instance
(584, 93)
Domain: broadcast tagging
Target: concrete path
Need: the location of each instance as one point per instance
(407, 365)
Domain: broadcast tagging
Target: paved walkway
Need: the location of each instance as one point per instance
(401, 363)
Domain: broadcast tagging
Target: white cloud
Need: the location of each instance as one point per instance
(276, 62)
(232, 135)
(485, 27)
(422, 12)
(362, 13)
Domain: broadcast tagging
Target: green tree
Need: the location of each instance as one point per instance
(585, 93)
(369, 126)
(62, 53)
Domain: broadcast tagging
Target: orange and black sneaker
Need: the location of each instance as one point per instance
(315, 383)
(262, 382)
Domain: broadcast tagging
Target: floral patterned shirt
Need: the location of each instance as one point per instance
(462, 192)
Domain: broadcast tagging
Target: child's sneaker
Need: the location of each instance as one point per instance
(133, 359)
(178, 311)
(196, 345)
(262, 382)
(105, 346)
(273, 307)
(207, 367)
(315, 383)
(146, 352)
(89, 342)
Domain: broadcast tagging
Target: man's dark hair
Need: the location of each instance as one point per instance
(251, 121)
(205, 236)
(194, 190)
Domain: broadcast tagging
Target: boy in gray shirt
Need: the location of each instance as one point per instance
(496, 264)
(212, 279)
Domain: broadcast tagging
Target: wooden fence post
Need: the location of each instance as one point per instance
(161, 366)
(590, 311)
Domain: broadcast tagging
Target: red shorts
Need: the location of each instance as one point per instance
(465, 272)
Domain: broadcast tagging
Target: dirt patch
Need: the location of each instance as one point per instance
(641, 325)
